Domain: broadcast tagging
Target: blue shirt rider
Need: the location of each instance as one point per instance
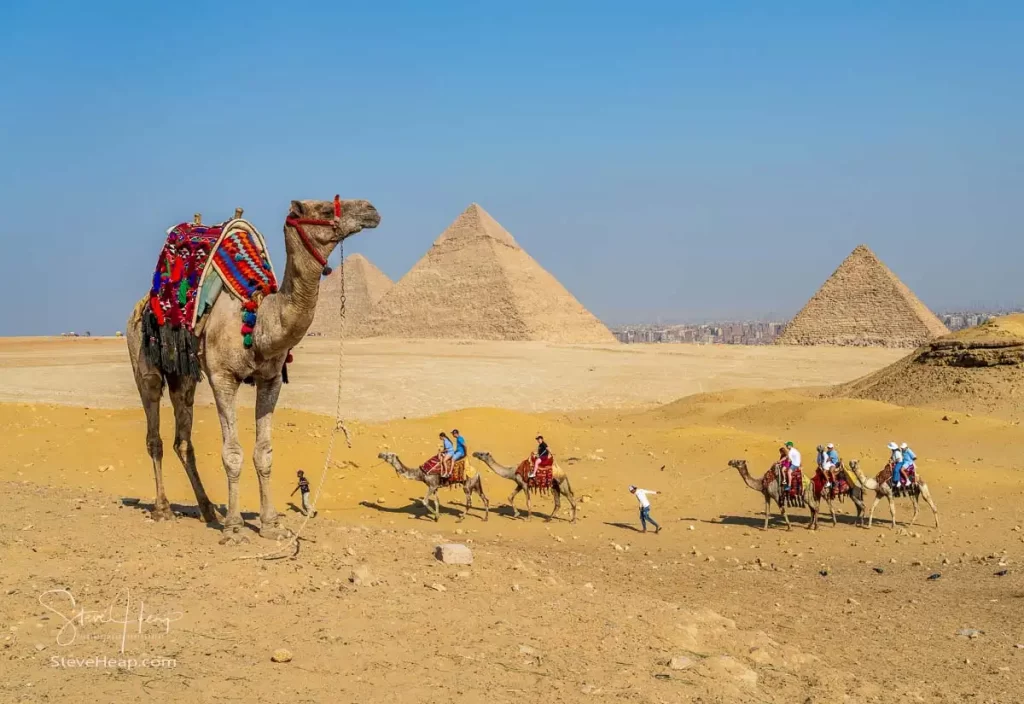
(909, 458)
(896, 460)
(447, 452)
(460, 446)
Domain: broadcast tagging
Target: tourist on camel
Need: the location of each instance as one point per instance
(896, 463)
(460, 447)
(793, 455)
(447, 452)
(909, 460)
(542, 453)
(829, 462)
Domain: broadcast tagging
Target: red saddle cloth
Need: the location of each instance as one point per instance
(434, 466)
(545, 474)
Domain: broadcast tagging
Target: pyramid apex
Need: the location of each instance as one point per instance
(473, 223)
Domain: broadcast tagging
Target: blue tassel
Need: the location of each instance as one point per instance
(239, 257)
(156, 282)
(249, 318)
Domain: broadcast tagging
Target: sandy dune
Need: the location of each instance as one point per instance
(582, 612)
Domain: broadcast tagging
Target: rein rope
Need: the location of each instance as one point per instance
(339, 423)
(297, 223)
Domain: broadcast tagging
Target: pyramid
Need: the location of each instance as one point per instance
(365, 285)
(476, 283)
(863, 304)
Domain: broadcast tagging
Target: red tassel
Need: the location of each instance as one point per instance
(154, 305)
(246, 329)
(250, 306)
(289, 359)
(337, 206)
(178, 270)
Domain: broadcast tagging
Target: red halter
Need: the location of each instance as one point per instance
(297, 223)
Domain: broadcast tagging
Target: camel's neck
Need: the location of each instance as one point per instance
(500, 469)
(747, 479)
(284, 317)
(407, 472)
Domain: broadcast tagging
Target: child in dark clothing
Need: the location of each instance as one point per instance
(303, 486)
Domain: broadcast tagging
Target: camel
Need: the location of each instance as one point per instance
(560, 486)
(771, 492)
(283, 319)
(855, 493)
(473, 483)
(882, 487)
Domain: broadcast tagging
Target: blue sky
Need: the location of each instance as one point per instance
(682, 160)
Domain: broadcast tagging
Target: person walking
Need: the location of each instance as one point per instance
(645, 507)
(303, 486)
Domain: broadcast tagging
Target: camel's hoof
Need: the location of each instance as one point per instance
(275, 532)
(162, 514)
(233, 536)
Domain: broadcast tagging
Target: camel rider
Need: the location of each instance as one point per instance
(896, 462)
(909, 460)
(829, 464)
(447, 452)
(460, 446)
(540, 455)
(794, 462)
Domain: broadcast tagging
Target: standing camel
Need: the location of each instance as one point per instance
(770, 489)
(312, 230)
(560, 486)
(855, 493)
(883, 487)
(473, 482)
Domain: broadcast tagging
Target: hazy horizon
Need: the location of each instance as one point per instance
(686, 162)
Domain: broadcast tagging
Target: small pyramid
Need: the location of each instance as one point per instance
(477, 283)
(863, 304)
(365, 285)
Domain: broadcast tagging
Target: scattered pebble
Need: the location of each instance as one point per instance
(969, 632)
(281, 655)
(680, 662)
(437, 587)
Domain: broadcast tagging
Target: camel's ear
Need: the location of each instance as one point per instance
(297, 210)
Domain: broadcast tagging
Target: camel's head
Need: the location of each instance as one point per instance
(854, 465)
(738, 464)
(328, 222)
(389, 457)
(483, 456)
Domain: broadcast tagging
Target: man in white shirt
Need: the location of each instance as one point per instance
(645, 507)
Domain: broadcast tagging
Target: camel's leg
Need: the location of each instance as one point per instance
(767, 511)
(927, 496)
(432, 494)
(469, 502)
(483, 497)
(859, 505)
(556, 495)
(874, 505)
(183, 397)
(512, 499)
(892, 509)
(832, 510)
(785, 516)
(572, 501)
(529, 504)
(150, 389)
(917, 507)
(814, 516)
(225, 388)
(267, 393)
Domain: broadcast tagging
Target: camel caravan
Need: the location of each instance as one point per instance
(217, 309)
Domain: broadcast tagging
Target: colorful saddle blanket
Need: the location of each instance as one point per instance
(184, 290)
(435, 466)
(795, 495)
(542, 480)
(839, 488)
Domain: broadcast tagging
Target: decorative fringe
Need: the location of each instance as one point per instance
(172, 350)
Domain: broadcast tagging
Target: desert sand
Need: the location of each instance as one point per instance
(549, 610)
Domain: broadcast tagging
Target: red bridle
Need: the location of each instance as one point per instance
(297, 223)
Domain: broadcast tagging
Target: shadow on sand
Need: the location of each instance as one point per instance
(183, 511)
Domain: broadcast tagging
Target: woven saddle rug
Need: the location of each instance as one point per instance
(545, 475)
(793, 497)
(184, 289)
(458, 475)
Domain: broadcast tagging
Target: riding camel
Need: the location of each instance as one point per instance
(771, 490)
(312, 229)
(472, 482)
(560, 486)
(882, 486)
(854, 492)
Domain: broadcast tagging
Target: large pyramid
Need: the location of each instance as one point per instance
(863, 304)
(365, 285)
(476, 283)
